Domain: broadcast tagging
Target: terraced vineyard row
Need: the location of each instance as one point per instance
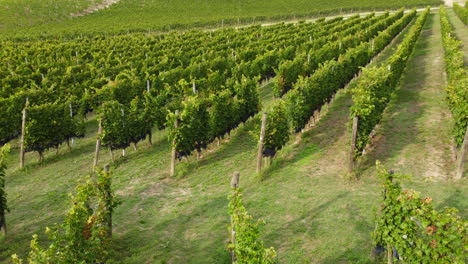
(194, 88)
(138, 90)
(311, 92)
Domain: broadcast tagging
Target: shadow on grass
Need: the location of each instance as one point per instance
(51, 158)
(163, 239)
(354, 253)
(15, 243)
(304, 225)
(160, 149)
(85, 145)
(455, 201)
(331, 127)
(240, 140)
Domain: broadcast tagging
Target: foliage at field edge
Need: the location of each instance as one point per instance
(85, 234)
(376, 85)
(4, 150)
(311, 92)
(462, 12)
(457, 73)
(247, 247)
(49, 125)
(418, 232)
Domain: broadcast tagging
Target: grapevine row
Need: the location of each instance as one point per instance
(201, 122)
(39, 136)
(202, 118)
(457, 75)
(238, 92)
(409, 227)
(462, 12)
(86, 232)
(305, 63)
(376, 85)
(294, 110)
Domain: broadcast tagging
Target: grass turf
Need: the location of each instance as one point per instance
(17, 14)
(143, 15)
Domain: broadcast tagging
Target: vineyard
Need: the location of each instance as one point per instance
(145, 130)
(143, 16)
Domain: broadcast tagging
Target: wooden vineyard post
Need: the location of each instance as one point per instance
(109, 214)
(453, 146)
(72, 139)
(3, 224)
(98, 146)
(150, 134)
(316, 116)
(261, 142)
(234, 185)
(23, 130)
(353, 144)
(235, 180)
(267, 161)
(173, 154)
(150, 139)
(124, 152)
(326, 106)
(389, 254)
(461, 157)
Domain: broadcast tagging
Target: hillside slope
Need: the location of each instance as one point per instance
(18, 14)
(313, 213)
(144, 15)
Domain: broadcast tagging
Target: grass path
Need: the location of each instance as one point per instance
(414, 136)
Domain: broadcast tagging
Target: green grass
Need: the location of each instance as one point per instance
(313, 213)
(139, 15)
(408, 131)
(17, 14)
